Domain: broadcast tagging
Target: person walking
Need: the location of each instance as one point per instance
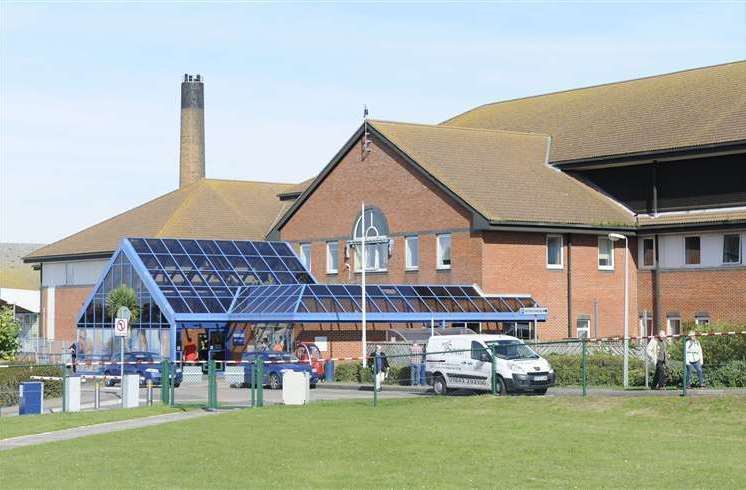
(658, 353)
(694, 359)
(380, 365)
(74, 356)
(415, 361)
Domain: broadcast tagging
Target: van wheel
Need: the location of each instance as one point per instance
(501, 389)
(439, 385)
(274, 381)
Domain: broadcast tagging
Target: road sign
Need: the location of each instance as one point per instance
(534, 311)
(121, 327)
(124, 312)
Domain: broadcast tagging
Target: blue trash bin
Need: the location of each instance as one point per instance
(31, 396)
(329, 371)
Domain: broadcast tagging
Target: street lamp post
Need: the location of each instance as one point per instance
(614, 237)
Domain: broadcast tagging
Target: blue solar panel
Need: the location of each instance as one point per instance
(345, 298)
(204, 276)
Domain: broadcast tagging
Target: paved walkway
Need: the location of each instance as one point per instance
(89, 430)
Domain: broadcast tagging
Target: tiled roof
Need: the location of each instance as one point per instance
(208, 208)
(14, 274)
(719, 216)
(697, 107)
(504, 175)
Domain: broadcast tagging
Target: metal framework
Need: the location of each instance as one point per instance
(220, 281)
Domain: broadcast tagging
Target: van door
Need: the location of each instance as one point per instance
(455, 364)
(479, 367)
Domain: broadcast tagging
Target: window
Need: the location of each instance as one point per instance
(376, 257)
(702, 320)
(691, 250)
(305, 255)
(478, 351)
(332, 257)
(732, 249)
(554, 252)
(376, 241)
(411, 253)
(583, 328)
(648, 252)
(605, 254)
(444, 251)
(674, 325)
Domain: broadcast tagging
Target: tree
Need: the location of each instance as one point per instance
(10, 327)
(123, 296)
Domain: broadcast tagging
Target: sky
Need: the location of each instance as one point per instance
(89, 92)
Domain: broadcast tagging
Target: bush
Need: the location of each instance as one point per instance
(353, 372)
(12, 376)
(602, 369)
(348, 372)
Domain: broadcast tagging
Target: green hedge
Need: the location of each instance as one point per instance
(12, 376)
(607, 370)
(353, 372)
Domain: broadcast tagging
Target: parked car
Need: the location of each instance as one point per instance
(465, 361)
(148, 366)
(275, 363)
(310, 353)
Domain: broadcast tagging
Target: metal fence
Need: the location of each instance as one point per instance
(576, 368)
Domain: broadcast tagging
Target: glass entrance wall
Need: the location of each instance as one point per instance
(150, 332)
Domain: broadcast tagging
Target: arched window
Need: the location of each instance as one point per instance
(376, 233)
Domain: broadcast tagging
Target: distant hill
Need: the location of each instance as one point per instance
(14, 274)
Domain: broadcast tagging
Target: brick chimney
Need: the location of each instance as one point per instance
(192, 144)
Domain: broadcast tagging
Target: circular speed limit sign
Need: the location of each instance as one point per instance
(120, 327)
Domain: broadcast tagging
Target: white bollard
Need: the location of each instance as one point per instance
(131, 391)
(72, 394)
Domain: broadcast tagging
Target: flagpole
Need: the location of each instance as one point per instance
(362, 289)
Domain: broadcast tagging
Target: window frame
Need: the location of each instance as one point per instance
(586, 328)
(739, 260)
(407, 256)
(439, 265)
(610, 266)
(561, 264)
(669, 326)
(702, 321)
(378, 248)
(642, 253)
(699, 257)
(330, 257)
(302, 255)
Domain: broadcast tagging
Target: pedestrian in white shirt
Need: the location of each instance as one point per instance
(694, 359)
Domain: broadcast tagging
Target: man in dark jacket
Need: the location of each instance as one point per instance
(380, 364)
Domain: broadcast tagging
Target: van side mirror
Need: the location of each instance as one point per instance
(485, 357)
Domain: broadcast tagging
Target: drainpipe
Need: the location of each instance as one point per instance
(568, 238)
(656, 289)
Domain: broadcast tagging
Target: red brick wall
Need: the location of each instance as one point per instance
(411, 206)
(515, 262)
(68, 301)
(721, 293)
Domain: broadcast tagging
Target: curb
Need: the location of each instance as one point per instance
(366, 387)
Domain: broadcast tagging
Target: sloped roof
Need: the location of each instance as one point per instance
(699, 217)
(14, 274)
(208, 208)
(691, 108)
(504, 175)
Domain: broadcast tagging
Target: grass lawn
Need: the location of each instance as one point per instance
(457, 442)
(36, 424)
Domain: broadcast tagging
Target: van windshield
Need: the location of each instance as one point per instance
(513, 349)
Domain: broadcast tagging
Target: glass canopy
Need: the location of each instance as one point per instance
(252, 281)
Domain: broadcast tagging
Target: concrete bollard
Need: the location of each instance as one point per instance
(97, 394)
(149, 396)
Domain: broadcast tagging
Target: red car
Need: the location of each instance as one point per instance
(310, 353)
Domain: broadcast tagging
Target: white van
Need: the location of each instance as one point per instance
(465, 361)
